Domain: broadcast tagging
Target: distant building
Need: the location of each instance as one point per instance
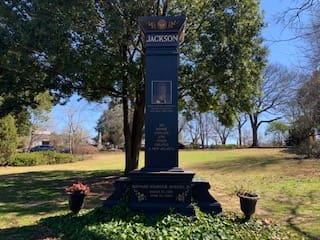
(40, 138)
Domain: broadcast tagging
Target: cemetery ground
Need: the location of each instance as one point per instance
(287, 184)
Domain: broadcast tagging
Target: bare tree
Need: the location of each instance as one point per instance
(205, 129)
(193, 130)
(303, 17)
(312, 53)
(182, 123)
(297, 9)
(277, 89)
(200, 128)
(221, 131)
(241, 121)
(308, 99)
(74, 129)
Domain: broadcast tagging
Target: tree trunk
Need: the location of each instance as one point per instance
(255, 142)
(239, 133)
(254, 127)
(133, 131)
(127, 135)
(240, 136)
(133, 143)
(132, 128)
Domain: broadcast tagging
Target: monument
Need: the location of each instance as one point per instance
(161, 185)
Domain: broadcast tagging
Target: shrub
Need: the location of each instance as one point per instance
(41, 158)
(192, 146)
(27, 159)
(309, 148)
(85, 149)
(225, 146)
(8, 140)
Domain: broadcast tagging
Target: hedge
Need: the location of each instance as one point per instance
(42, 158)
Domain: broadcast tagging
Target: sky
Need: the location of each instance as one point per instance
(275, 35)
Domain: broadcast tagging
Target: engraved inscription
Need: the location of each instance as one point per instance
(161, 134)
(166, 192)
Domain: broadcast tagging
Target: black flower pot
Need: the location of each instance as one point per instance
(248, 203)
(76, 200)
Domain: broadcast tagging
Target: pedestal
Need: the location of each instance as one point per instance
(159, 192)
(153, 193)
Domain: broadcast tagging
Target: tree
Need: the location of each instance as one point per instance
(8, 140)
(312, 53)
(96, 50)
(308, 98)
(39, 115)
(226, 59)
(304, 19)
(193, 130)
(196, 123)
(304, 125)
(223, 132)
(299, 7)
(75, 133)
(240, 24)
(241, 121)
(279, 131)
(24, 66)
(305, 113)
(110, 125)
(276, 91)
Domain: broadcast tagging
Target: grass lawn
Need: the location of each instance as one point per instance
(288, 186)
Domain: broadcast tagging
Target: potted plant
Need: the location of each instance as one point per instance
(77, 193)
(248, 201)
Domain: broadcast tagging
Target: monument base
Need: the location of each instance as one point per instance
(160, 192)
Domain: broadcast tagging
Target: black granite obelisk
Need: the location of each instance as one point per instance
(161, 185)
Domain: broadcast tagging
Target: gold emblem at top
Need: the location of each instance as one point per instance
(162, 24)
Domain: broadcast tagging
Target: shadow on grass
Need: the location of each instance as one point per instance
(71, 226)
(295, 214)
(239, 165)
(250, 163)
(37, 194)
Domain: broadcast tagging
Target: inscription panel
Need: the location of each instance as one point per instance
(160, 139)
(173, 193)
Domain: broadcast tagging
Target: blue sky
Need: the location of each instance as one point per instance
(276, 34)
(282, 52)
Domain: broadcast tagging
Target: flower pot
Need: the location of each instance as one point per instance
(76, 200)
(248, 203)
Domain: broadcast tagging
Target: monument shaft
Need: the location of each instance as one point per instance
(162, 59)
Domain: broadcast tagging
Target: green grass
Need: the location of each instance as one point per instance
(288, 186)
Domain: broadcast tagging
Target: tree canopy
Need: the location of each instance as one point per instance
(225, 56)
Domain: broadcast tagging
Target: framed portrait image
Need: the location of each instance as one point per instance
(161, 92)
